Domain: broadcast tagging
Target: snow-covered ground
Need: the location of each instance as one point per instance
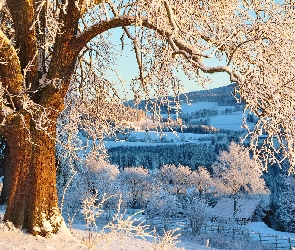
(259, 231)
(19, 240)
(260, 227)
(16, 239)
(11, 238)
(230, 121)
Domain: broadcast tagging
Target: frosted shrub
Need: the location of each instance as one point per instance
(128, 233)
(135, 185)
(167, 241)
(175, 180)
(164, 206)
(91, 211)
(197, 212)
(92, 177)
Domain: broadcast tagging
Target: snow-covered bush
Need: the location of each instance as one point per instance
(92, 177)
(197, 212)
(135, 187)
(164, 206)
(175, 180)
(126, 232)
(202, 182)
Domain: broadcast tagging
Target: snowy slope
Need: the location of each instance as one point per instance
(228, 121)
(232, 121)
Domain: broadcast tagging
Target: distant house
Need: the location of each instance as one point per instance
(224, 209)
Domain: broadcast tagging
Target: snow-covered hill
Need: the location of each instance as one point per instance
(228, 121)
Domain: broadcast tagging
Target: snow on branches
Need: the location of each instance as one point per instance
(252, 42)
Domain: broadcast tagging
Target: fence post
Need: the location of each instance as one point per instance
(259, 237)
(276, 241)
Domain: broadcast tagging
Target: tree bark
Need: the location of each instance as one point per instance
(32, 201)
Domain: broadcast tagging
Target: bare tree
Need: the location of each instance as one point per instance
(46, 45)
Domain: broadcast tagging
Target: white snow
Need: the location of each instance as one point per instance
(16, 239)
(19, 240)
(262, 228)
(228, 121)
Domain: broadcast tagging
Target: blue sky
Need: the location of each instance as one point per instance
(127, 69)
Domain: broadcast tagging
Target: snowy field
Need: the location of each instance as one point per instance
(232, 121)
(228, 121)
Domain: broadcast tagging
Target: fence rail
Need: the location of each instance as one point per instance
(278, 242)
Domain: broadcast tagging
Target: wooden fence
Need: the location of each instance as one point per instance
(278, 242)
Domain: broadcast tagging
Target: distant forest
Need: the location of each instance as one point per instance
(222, 95)
(192, 155)
(152, 157)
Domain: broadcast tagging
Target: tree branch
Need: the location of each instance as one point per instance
(22, 12)
(10, 70)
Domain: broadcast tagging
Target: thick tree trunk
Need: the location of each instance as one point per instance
(44, 195)
(32, 201)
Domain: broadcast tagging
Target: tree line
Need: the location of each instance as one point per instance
(152, 157)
